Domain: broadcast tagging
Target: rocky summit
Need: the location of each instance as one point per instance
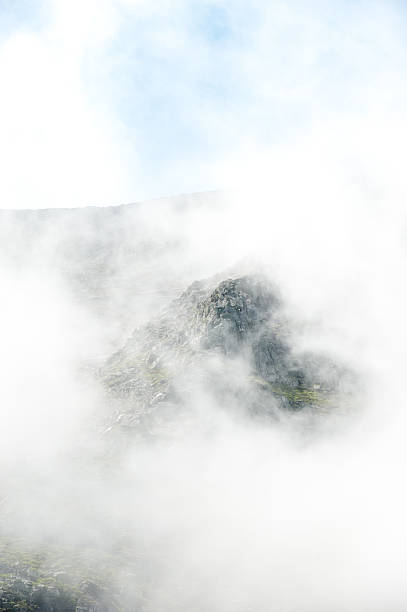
(228, 337)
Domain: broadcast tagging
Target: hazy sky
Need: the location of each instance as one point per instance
(110, 101)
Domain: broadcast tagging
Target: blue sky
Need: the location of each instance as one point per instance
(119, 100)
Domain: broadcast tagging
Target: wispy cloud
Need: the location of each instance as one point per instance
(100, 99)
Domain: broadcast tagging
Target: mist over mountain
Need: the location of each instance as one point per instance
(189, 420)
(109, 257)
(202, 398)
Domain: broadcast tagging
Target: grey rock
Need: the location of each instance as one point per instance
(238, 320)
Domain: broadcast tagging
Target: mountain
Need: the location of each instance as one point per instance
(179, 346)
(214, 329)
(108, 257)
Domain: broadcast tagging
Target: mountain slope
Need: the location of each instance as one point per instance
(226, 338)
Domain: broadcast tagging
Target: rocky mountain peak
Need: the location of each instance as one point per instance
(234, 318)
(236, 308)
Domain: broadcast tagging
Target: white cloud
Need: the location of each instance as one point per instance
(58, 147)
(107, 97)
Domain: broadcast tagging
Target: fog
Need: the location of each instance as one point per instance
(220, 511)
(207, 507)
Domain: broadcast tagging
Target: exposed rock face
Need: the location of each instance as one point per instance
(49, 579)
(238, 322)
(233, 311)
